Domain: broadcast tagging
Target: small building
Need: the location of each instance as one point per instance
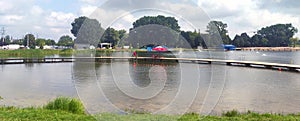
(105, 45)
(48, 47)
(13, 47)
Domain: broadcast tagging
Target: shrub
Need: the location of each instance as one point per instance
(232, 113)
(66, 104)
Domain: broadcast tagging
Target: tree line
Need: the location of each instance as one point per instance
(278, 35)
(32, 42)
(86, 30)
(166, 30)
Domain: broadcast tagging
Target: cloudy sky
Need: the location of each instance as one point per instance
(52, 18)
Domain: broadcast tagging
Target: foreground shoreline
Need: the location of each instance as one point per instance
(72, 109)
(40, 114)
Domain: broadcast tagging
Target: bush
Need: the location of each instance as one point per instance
(232, 113)
(66, 104)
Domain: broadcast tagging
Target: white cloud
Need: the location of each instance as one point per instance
(92, 1)
(5, 6)
(109, 14)
(87, 10)
(59, 23)
(23, 16)
(225, 8)
(37, 27)
(190, 16)
(246, 16)
(36, 10)
(59, 19)
(20, 17)
(11, 19)
(124, 22)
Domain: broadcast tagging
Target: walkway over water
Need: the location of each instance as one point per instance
(266, 65)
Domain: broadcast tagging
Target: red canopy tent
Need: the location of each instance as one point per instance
(160, 48)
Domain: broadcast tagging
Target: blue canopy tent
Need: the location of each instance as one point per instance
(229, 47)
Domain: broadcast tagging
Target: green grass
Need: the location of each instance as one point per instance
(66, 104)
(70, 109)
(62, 108)
(40, 114)
(33, 53)
(230, 116)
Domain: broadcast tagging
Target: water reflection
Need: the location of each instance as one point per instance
(260, 90)
(101, 85)
(34, 84)
(140, 86)
(143, 73)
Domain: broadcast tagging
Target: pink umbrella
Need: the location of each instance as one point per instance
(159, 48)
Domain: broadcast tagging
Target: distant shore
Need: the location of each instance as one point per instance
(283, 49)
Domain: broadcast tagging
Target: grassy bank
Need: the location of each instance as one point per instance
(195, 117)
(72, 110)
(37, 53)
(41, 114)
(34, 53)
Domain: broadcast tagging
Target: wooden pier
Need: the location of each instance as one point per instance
(266, 65)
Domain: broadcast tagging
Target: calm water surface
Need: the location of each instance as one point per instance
(158, 87)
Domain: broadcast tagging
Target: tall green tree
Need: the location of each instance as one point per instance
(218, 28)
(258, 41)
(242, 41)
(169, 22)
(66, 41)
(278, 35)
(29, 41)
(193, 38)
(122, 34)
(157, 30)
(111, 36)
(77, 23)
(86, 30)
(40, 42)
(294, 41)
(50, 42)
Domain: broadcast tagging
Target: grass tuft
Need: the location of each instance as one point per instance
(189, 117)
(66, 104)
(232, 113)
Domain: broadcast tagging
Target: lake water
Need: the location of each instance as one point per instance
(113, 86)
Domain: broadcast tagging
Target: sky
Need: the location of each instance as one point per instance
(52, 18)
